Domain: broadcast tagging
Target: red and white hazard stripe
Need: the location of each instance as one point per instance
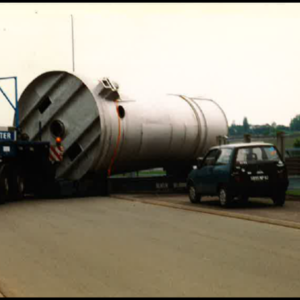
(56, 153)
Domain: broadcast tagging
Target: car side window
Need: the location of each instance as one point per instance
(211, 158)
(224, 157)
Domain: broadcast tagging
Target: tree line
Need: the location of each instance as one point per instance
(264, 130)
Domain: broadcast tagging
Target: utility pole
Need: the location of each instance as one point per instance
(73, 55)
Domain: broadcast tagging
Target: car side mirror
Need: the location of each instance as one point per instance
(199, 162)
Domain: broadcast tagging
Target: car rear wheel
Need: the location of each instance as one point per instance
(193, 195)
(225, 197)
(279, 199)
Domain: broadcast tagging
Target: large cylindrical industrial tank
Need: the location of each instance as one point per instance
(106, 133)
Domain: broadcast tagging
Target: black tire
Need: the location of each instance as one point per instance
(17, 186)
(4, 185)
(193, 195)
(279, 199)
(225, 197)
(20, 187)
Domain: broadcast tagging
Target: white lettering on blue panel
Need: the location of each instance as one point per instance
(6, 136)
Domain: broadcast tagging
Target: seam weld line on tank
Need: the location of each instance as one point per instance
(118, 140)
(205, 125)
(221, 109)
(199, 134)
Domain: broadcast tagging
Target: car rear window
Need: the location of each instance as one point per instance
(254, 154)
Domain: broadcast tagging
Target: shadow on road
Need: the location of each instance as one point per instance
(31, 199)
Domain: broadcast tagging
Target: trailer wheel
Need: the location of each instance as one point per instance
(17, 186)
(4, 184)
(20, 187)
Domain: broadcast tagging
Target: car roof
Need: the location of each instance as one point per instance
(242, 145)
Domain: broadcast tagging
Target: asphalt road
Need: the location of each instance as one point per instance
(256, 207)
(108, 247)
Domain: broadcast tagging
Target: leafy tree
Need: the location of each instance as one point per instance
(282, 128)
(262, 129)
(295, 123)
(246, 125)
(235, 130)
(297, 143)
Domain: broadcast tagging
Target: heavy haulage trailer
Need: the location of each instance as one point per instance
(24, 164)
(102, 133)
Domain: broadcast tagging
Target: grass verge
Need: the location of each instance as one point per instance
(293, 193)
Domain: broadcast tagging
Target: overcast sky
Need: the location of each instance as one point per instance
(244, 56)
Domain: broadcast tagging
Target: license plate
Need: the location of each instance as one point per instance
(259, 178)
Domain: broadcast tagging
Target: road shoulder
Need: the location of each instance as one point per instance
(268, 215)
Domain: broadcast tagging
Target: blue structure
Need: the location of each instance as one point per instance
(15, 107)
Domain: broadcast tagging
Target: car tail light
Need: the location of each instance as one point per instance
(237, 177)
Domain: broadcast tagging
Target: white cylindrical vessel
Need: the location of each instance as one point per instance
(105, 133)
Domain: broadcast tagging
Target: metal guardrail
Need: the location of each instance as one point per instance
(293, 165)
(238, 139)
(293, 152)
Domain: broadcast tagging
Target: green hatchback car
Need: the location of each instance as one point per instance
(239, 171)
